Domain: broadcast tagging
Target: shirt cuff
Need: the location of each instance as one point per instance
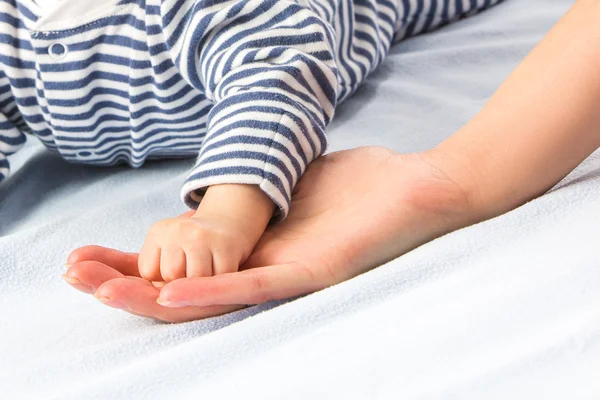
(263, 152)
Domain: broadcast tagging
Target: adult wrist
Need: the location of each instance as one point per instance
(457, 167)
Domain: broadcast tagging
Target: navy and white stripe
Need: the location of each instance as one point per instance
(247, 86)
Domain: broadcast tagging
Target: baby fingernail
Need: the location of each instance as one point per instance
(172, 304)
(67, 266)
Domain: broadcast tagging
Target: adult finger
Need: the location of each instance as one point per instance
(138, 296)
(253, 286)
(87, 276)
(126, 263)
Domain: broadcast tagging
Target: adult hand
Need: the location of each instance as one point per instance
(351, 211)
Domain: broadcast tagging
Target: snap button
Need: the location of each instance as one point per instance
(57, 50)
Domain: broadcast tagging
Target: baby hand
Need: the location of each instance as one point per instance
(217, 239)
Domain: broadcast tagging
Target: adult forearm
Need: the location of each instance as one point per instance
(541, 123)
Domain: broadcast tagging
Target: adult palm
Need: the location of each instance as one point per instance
(351, 211)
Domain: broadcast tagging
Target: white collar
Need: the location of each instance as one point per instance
(67, 14)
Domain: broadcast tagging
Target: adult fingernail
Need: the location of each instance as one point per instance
(171, 304)
(112, 303)
(76, 283)
(71, 280)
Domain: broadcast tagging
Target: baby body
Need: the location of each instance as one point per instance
(246, 87)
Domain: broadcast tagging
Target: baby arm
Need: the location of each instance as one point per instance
(268, 67)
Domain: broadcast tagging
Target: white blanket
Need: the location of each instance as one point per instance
(509, 308)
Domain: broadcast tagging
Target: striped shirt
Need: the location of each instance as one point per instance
(246, 86)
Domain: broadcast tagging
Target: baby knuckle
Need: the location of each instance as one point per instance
(157, 228)
(226, 238)
(196, 234)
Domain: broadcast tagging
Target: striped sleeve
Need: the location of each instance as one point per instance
(11, 137)
(271, 69)
(11, 140)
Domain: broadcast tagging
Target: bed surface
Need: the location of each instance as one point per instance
(509, 308)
